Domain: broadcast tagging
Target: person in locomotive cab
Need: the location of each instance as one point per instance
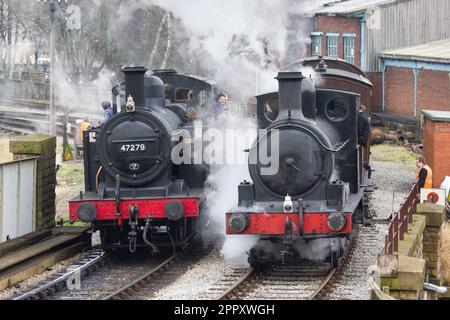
(425, 175)
(219, 107)
(363, 127)
(108, 111)
(222, 100)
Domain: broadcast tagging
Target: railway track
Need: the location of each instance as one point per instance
(147, 286)
(28, 117)
(62, 281)
(32, 254)
(301, 281)
(306, 280)
(111, 276)
(38, 105)
(352, 283)
(93, 277)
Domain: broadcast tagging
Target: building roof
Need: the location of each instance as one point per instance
(437, 51)
(349, 6)
(435, 115)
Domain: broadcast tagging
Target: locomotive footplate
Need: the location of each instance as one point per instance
(285, 236)
(105, 210)
(129, 223)
(309, 225)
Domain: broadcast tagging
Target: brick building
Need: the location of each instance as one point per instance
(337, 37)
(340, 30)
(360, 31)
(436, 141)
(417, 78)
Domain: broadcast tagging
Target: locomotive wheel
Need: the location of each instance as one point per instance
(254, 262)
(178, 230)
(362, 213)
(334, 258)
(108, 237)
(365, 209)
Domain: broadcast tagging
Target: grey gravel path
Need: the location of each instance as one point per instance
(394, 182)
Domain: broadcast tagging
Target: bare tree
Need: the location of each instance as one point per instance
(169, 41)
(157, 39)
(149, 36)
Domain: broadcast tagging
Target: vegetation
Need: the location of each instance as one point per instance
(70, 180)
(394, 153)
(109, 34)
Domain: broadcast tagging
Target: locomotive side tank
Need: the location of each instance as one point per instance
(318, 189)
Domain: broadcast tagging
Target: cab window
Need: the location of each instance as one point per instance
(183, 94)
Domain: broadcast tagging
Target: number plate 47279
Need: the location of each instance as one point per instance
(138, 147)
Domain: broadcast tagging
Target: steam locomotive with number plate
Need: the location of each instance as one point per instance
(134, 194)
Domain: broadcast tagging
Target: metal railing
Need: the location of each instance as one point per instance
(401, 220)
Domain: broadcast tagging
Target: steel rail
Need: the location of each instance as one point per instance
(136, 284)
(126, 290)
(317, 294)
(233, 290)
(334, 273)
(40, 292)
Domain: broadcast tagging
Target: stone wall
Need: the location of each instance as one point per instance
(432, 242)
(403, 273)
(417, 260)
(43, 147)
(444, 254)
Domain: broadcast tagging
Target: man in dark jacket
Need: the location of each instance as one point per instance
(363, 127)
(220, 106)
(217, 108)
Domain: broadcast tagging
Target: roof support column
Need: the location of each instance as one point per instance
(416, 72)
(383, 79)
(363, 42)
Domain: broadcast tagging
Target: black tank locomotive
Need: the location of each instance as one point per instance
(319, 190)
(134, 194)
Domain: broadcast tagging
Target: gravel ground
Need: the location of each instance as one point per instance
(393, 181)
(198, 280)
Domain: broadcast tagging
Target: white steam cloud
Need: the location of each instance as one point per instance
(224, 180)
(242, 43)
(83, 98)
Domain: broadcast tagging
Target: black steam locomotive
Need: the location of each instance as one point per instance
(134, 194)
(320, 188)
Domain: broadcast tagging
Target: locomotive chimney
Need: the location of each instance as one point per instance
(134, 84)
(296, 93)
(290, 95)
